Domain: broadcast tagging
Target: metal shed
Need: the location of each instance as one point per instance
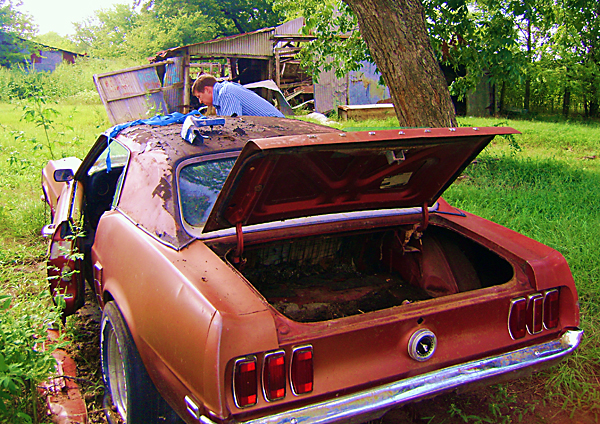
(165, 84)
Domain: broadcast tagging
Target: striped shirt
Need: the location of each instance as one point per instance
(231, 99)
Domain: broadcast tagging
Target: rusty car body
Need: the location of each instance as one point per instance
(277, 271)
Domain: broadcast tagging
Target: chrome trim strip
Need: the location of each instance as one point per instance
(314, 220)
(382, 398)
(192, 407)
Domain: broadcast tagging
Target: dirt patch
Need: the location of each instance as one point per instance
(85, 350)
(522, 401)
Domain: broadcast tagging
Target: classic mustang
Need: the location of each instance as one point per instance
(277, 271)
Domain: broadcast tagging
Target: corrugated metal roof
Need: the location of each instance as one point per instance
(251, 44)
(255, 44)
(258, 44)
(292, 27)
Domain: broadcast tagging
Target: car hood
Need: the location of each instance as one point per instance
(290, 177)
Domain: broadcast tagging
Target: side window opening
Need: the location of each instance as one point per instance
(103, 180)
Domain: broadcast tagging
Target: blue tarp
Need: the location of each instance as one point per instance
(158, 120)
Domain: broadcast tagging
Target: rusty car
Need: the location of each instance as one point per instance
(277, 271)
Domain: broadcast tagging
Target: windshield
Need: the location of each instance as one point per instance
(199, 185)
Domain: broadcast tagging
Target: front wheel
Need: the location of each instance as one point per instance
(129, 393)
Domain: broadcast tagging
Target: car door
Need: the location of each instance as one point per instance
(65, 261)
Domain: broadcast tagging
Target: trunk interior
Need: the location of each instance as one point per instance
(327, 277)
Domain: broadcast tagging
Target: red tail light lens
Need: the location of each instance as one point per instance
(517, 318)
(302, 370)
(245, 384)
(535, 313)
(274, 376)
(551, 309)
(538, 312)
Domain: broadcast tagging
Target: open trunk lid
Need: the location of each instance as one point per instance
(306, 175)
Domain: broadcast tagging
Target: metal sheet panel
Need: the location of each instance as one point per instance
(364, 87)
(254, 44)
(330, 92)
(173, 85)
(292, 27)
(132, 94)
(48, 60)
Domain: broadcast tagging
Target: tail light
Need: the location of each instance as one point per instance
(532, 315)
(551, 309)
(274, 376)
(275, 371)
(535, 312)
(301, 370)
(517, 318)
(245, 383)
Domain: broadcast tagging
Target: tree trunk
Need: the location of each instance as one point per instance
(397, 37)
(501, 105)
(527, 76)
(566, 102)
(593, 103)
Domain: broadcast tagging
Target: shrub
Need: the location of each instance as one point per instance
(68, 81)
(23, 361)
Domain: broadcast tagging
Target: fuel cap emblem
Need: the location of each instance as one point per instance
(422, 344)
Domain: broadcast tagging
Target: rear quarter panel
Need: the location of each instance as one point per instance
(188, 312)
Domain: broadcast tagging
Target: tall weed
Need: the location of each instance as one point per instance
(26, 359)
(69, 83)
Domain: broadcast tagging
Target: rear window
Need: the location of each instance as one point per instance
(199, 186)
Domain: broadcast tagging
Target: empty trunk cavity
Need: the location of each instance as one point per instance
(328, 277)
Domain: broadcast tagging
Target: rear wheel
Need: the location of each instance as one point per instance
(130, 395)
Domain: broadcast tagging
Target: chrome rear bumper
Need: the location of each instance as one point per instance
(375, 402)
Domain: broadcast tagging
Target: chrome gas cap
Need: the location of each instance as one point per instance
(422, 344)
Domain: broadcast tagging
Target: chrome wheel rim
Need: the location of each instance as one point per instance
(116, 374)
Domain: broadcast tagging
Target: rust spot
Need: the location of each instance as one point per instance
(163, 190)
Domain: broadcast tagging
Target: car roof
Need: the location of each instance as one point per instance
(232, 136)
(149, 197)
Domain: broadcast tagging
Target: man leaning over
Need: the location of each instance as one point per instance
(231, 99)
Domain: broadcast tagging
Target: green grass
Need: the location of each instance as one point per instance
(549, 191)
(22, 251)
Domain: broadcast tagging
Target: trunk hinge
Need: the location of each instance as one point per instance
(239, 250)
(424, 218)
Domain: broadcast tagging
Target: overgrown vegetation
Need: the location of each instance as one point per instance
(545, 183)
(33, 128)
(69, 83)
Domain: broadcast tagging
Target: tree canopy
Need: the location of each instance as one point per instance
(15, 29)
(227, 16)
(539, 54)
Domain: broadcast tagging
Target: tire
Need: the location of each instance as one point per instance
(130, 396)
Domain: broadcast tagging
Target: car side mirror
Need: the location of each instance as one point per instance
(63, 175)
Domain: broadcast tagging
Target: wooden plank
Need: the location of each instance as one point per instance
(277, 70)
(362, 112)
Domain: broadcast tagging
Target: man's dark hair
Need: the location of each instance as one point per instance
(204, 80)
